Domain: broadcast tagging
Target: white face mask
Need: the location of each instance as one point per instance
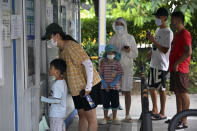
(158, 22)
(51, 43)
(110, 57)
(52, 78)
(119, 29)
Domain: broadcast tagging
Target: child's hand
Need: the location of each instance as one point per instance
(42, 98)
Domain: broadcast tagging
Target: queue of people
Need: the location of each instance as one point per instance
(89, 88)
(170, 55)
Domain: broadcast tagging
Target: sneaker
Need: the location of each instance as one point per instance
(103, 121)
(116, 122)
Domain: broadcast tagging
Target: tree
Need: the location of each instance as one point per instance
(96, 4)
(96, 7)
(140, 10)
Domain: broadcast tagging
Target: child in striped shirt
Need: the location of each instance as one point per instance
(110, 72)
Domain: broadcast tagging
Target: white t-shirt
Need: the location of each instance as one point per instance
(59, 91)
(159, 60)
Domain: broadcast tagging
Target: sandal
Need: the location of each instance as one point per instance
(162, 117)
(181, 126)
(105, 120)
(156, 117)
(127, 119)
(116, 122)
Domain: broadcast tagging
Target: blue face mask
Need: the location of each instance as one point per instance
(119, 28)
(158, 22)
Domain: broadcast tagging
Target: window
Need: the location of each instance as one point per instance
(30, 40)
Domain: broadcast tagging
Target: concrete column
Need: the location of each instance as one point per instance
(102, 25)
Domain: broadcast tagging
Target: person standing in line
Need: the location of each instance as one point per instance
(159, 62)
(80, 75)
(126, 46)
(180, 57)
(110, 72)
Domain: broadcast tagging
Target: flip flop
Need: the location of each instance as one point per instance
(127, 119)
(162, 117)
(181, 126)
(156, 117)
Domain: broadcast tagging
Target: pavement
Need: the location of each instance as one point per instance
(135, 114)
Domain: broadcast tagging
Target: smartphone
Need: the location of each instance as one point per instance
(126, 47)
(87, 97)
(90, 101)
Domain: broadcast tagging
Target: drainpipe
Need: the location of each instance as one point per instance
(15, 81)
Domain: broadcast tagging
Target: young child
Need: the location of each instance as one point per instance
(110, 72)
(57, 99)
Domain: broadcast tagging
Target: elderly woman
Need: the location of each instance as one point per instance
(126, 45)
(80, 75)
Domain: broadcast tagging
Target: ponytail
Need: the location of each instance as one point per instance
(67, 37)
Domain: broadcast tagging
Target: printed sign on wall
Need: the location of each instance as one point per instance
(5, 19)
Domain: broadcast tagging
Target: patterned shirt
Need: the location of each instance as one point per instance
(75, 74)
(109, 71)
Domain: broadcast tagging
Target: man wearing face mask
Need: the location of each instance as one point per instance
(159, 62)
(126, 45)
(180, 57)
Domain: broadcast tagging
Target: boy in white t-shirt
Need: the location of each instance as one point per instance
(159, 62)
(57, 97)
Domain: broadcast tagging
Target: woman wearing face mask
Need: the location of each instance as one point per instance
(159, 62)
(80, 75)
(126, 45)
(110, 72)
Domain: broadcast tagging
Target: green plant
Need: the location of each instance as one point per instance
(141, 62)
(193, 73)
(92, 50)
(90, 29)
(90, 44)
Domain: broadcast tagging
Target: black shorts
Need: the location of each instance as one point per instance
(179, 82)
(156, 78)
(110, 99)
(82, 103)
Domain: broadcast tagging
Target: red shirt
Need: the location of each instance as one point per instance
(181, 40)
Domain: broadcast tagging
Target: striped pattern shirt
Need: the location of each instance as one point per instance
(75, 74)
(109, 71)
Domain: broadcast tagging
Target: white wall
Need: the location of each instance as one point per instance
(28, 99)
(6, 94)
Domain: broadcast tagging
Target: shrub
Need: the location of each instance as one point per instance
(89, 34)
